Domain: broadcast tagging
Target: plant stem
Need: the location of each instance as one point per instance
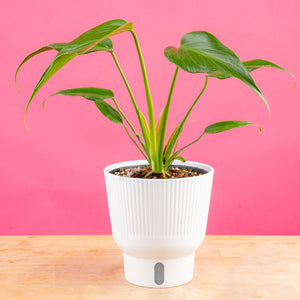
(164, 120)
(171, 91)
(175, 147)
(153, 156)
(130, 125)
(175, 153)
(193, 142)
(148, 174)
(125, 81)
(120, 111)
(123, 115)
(196, 100)
(135, 143)
(178, 151)
(132, 99)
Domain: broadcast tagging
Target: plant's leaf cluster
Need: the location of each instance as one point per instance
(199, 52)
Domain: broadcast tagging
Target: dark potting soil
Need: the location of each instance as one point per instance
(172, 172)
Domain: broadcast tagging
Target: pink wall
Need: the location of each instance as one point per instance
(51, 179)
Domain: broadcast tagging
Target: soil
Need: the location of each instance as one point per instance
(143, 171)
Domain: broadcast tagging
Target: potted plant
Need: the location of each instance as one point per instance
(158, 206)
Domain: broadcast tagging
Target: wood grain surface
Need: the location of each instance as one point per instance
(91, 267)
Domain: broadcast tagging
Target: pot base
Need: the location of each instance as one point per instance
(159, 273)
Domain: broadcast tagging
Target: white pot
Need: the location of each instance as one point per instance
(158, 223)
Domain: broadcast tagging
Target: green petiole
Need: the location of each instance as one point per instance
(153, 154)
(132, 128)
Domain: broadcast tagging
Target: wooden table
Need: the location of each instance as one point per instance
(91, 267)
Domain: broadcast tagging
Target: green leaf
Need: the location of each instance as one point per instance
(226, 125)
(57, 47)
(201, 52)
(90, 38)
(108, 111)
(105, 45)
(98, 96)
(213, 128)
(255, 64)
(252, 65)
(49, 72)
(182, 159)
(80, 45)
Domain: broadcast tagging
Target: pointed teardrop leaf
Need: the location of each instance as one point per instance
(226, 125)
(90, 38)
(255, 64)
(201, 52)
(107, 110)
(57, 47)
(80, 45)
(55, 65)
(105, 45)
(98, 96)
(252, 65)
(211, 129)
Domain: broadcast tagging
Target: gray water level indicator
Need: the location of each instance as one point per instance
(159, 273)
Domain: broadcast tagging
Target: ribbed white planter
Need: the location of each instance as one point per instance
(158, 223)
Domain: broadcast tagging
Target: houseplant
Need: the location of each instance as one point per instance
(157, 252)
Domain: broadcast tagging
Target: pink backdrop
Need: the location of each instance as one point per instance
(51, 179)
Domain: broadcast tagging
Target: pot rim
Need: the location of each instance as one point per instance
(130, 163)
